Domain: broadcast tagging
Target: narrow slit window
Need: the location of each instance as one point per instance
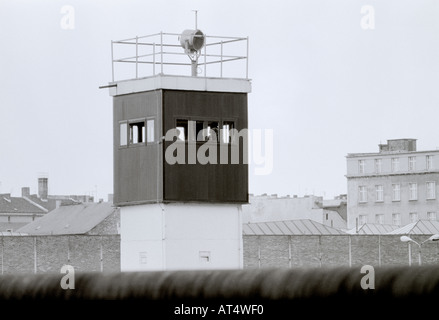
(204, 256)
(182, 127)
(150, 130)
(123, 128)
(212, 130)
(227, 132)
(137, 132)
(199, 130)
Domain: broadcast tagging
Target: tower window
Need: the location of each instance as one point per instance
(212, 130)
(137, 132)
(150, 130)
(123, 128)
(199, 130)
(182, 129)
(228, 132)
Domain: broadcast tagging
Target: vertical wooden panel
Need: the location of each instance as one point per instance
(137, 168)
(208, 182)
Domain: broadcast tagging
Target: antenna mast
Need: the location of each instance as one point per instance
(196, 18)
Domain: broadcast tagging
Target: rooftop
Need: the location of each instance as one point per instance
(17, 205)
(373, 229)
(191, 60)
(73, 219)
(289, 227)
(393, 146)
(426, 227)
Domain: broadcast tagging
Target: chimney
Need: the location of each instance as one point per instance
(25, 192)
(43, 187)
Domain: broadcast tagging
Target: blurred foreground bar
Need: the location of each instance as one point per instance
(316, 291)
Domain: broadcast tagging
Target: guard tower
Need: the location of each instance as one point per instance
(180, 149)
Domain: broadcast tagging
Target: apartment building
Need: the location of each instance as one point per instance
(397, 185)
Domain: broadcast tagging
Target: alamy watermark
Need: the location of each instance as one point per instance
(68, 280)
(368, 280)
(367, 21)
(257, 147)
(68, 17)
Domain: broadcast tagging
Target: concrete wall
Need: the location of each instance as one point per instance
(337, 250)
(47, 254)
(177, 236)
(110, 225)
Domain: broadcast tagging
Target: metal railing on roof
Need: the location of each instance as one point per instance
(161, 53)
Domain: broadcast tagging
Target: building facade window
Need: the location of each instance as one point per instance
(378, 165)
(413, 191)
(137, 131)
(413, 216)
(150, 136)
(395, 164)
(361, 166)
(379, 218)
(396, 192)
(412, 163)
(429, 162)
(431, 189)
(228, 132)
(396, 219)
(362, 194)
(431, 216)
(182, 129)
(123, 129)
(379, 193)
(362, 219)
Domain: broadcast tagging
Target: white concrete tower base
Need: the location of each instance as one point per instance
(181, 237)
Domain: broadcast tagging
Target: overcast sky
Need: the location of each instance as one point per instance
(326, 84)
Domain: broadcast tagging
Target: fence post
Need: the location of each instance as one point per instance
(289, 251)
(259, 253)
(379, 250)
(35, 254)
(350, 251)
(102, 260)
(3, 244)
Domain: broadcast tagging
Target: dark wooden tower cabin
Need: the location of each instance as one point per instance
(179, 140)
